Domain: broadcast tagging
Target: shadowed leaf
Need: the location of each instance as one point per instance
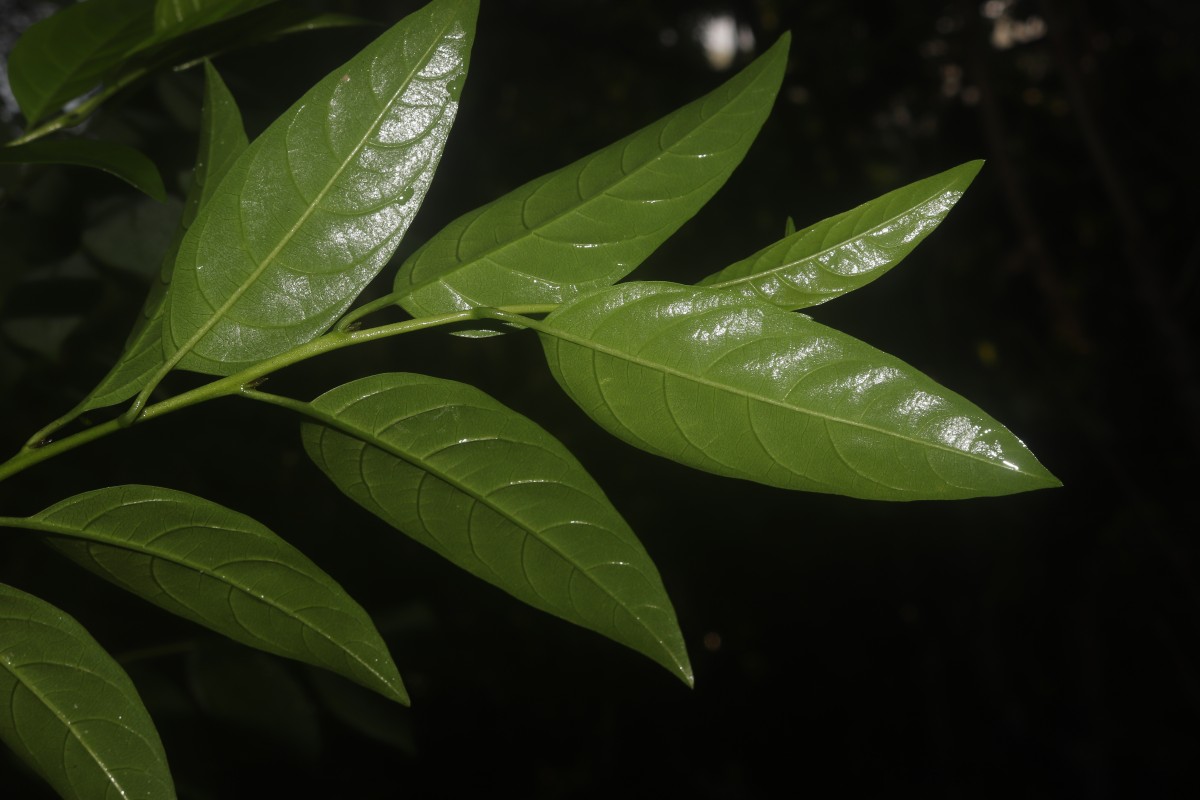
(66, 54)
(120, 160)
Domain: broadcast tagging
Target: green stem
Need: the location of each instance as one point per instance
(299, 407)
(81, 112)
(237, 383)
(387, 301)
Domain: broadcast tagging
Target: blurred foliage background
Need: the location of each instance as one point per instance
(1043, 644)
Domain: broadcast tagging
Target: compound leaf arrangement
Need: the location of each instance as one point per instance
(279, 237)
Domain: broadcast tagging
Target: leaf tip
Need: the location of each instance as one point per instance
(685, 674)
(972, 168)
(397, 692)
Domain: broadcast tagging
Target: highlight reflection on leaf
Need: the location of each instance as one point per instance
(739, 387)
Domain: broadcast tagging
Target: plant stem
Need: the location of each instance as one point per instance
(387, 301)
(237, 383)
(81, 112)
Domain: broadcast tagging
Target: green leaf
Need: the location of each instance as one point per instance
(69, 711)
(250, 29)
(126, 163)
(222, 570)
(222, 140)
(739, 387)
(591, 223)
(175, 17)
(500, 497)
(313, 209)
(67, 54)
(850, 250)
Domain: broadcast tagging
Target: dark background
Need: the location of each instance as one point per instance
(1042, 644)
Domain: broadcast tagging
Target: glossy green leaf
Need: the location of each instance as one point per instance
(66, 54)
(120, 160)
(739, 387)
(222, 570)
(500, 497)
(315, 206)
(845, 252)
(591, 223)
(69, 710)
(175, 17)
(222, 140)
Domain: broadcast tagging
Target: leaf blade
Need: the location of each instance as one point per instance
(286, 244)
(68, 53)
(847, 251)
(222, 570)
(494, 493)
(742, 388)
(592, 222)
(70, 711)
(120, 160)
(175, 17)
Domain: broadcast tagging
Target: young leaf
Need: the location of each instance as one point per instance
(176, 17)
(738, 387)
(500, 497)
(69, 711)
(222, 570)
(591, 223)
(67, 54)
(316, 205)
(850, 250)
(222, 140)
(120, 160)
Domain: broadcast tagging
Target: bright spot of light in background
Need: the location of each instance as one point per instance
(1007, 31)
(722, 39)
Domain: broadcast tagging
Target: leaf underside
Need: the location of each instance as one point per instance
(842, 253)
(738, 387)
(591, 223)
(497, 495)
(222, 570)
(69, 710)
(312, 210)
